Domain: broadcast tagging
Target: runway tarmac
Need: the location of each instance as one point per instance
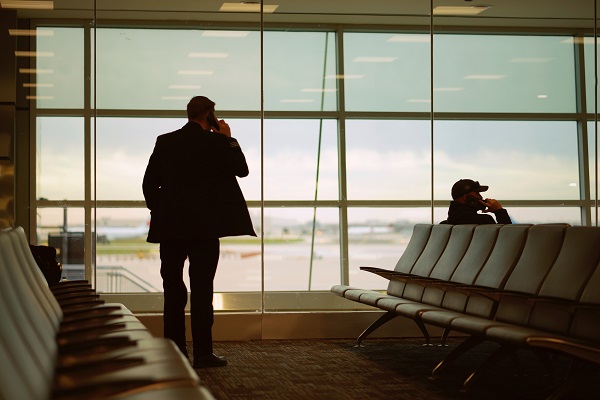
(287, 267)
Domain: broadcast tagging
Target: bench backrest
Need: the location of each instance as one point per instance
(459, 242)
(576, 263)
(480, 248)
(414, 248)
(437, 244)
(35, 277)
(541, 250)
(505, 255)
(586, 315)
(495, 272)
(411, 254)
(27, 335)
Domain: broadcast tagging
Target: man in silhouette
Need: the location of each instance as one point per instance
(467, 202)
(191, 189)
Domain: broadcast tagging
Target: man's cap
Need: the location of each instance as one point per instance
(465, 186)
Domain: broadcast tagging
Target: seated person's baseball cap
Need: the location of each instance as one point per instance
(465, 186)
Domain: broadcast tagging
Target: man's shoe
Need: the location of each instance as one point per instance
(209, 361)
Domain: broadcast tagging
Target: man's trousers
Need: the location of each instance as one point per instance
(203, 255)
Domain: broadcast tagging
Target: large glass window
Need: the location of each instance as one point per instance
(530, 215)
(518, 160)
(123, 147)
(344, 154)
(302, 249)
(377, 237)
(59, 68)
(587, 43)
(161, 69)
(125, 262)
(386, 71)
(64, 229)
(594, 168)
(300, 71)
(60, 158)
(301, 160)
(388, 160)
(493, 73)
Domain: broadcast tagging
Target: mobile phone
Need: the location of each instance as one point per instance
(212, 120)
(475, 203)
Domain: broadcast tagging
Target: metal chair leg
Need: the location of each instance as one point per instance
(444, 337)
(380, 321)
(462, 348)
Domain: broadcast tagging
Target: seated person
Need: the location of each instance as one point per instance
(467, 203)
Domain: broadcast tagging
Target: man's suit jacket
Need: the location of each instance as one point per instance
(191, 189)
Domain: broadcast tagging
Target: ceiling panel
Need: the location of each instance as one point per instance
(510, 13)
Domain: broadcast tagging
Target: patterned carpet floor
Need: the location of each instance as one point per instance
(382, 369)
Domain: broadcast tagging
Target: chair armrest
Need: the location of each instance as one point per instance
(391, 275)
(424, 281)
(589, 306)
(497, 294)
(79, 304)
(88, 331)
(100, 366)
(72, 288)
(386, 273)
(76, 294)
(82, 313)
(69, 283)
(100, 344)
(585, 351)
(80, 352)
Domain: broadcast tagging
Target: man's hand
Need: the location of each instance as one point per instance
(224, 128)
(491, 204)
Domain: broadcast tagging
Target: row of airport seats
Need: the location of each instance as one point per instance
(532, 287)
(62, 342)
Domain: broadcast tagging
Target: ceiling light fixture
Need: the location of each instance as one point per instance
(195, 72)
(375, 59)
(485, 77)
(248, 6)
(579, 40)
(29, 5)
(34, 53)
(448, 89)
(39, 97)
(184, 86)
(30, 32)
(530, 59)
(35, 71)
(460, 10)
(317, 90)
(38, 85)
(225, 34)
(409, 39)
(356, 76)
(208, 55)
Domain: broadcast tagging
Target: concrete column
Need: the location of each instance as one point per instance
(8, 21)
